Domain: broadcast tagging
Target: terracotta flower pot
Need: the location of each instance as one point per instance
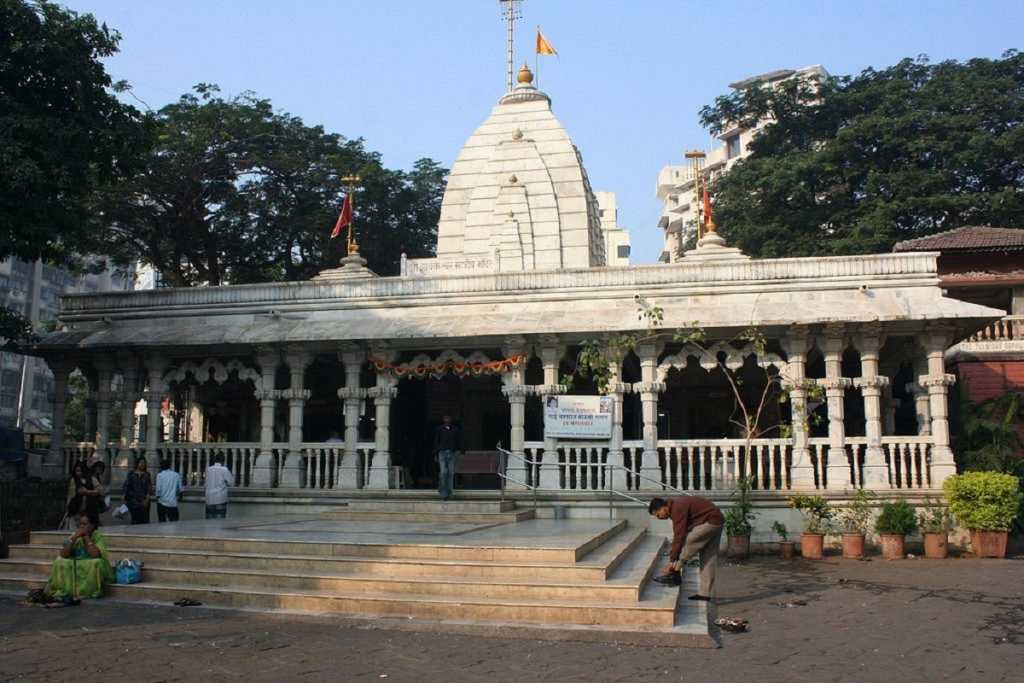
(892, 546)
(812, 546)
(786, 549)
(739, 547)
(853, 546)
(989, 542)
(935, 547)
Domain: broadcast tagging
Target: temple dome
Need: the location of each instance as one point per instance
(518, 189)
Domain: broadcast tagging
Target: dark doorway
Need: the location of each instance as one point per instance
(476, 404)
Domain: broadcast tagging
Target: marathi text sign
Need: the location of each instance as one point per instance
(578, 417)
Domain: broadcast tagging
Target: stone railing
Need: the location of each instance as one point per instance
(191, 460)
(716, 464)
(324, 467)
(907, 459)
(1005, 329)
(73, 452)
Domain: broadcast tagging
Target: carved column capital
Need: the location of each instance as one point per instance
(834, 383)
(382, 393)
(929, 381)
(296, 394)
(876, 382)
(648, 387)
(351, 393)
(517, 392)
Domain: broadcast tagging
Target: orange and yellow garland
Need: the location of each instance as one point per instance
(441, 368)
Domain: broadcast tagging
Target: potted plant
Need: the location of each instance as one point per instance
(894, 522)
(935, 521)
(738, 521)
(817, 516)
(785, 545)
(986, 503)
(855, 520)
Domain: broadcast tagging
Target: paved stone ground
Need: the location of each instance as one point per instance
(912, 620)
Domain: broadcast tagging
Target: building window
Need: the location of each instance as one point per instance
(732, 145)
(623, 250)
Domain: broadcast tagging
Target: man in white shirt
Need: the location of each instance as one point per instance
(218, 479)
(168, 493)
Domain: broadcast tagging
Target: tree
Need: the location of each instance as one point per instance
(63, 132)
(235, 192)
(854, 164)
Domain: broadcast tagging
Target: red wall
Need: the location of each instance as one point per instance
(988, 379)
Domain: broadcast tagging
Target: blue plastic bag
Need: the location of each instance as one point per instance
(129, 571)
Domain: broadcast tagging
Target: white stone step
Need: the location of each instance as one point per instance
(597, 566)
(417, 505)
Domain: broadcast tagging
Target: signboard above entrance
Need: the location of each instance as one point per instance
(578, 417)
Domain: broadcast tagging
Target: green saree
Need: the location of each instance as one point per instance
(81, 576)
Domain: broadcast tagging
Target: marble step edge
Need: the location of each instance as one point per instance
(662, 608)
(41, 568)
(426, 517)
(607, 557)
(175, 542)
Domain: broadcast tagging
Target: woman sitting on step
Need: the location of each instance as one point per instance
(83, 568)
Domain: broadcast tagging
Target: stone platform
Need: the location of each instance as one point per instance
(578, 578)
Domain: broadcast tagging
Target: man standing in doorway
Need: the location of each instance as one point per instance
(218, 480)
(447, 444)
(168, 493)
(696, 527)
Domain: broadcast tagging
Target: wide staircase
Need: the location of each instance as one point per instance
(467, 566)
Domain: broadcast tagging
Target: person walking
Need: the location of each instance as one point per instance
(218, 480)
(696, 528)
(137, 492)
(447, 444)
(168, 493)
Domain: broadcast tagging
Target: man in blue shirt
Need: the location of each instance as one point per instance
(168, 493)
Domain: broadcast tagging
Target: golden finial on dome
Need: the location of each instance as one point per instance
(525, 75)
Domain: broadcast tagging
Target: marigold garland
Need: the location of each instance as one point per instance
(440, 369)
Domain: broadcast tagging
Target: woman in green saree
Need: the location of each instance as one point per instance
(83, 568)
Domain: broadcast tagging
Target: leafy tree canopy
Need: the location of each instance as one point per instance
(63, 131)
(853, 164)
(234, 191)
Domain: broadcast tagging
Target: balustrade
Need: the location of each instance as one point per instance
(716, 464)
(909, 461)
(1005, 329)
(191, 460)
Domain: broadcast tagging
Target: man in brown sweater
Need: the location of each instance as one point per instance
(696, 527)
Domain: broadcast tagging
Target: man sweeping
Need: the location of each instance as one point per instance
(696, 527)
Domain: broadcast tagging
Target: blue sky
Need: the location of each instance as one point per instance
(414, 78)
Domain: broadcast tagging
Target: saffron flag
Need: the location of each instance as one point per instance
(543, 46)
(707, 206)
(344, 218)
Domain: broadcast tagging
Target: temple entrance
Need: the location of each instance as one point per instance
(476, 405)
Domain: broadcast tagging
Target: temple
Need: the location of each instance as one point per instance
(335, 385)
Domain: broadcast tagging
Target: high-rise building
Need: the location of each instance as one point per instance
(616, 237)
(675, 183)
(34, 290)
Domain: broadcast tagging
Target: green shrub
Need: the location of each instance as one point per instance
(816, 511)
(738, 517)
(781, 530)
(983, 500)
(896, 518)
(856, 518)
(934, 518)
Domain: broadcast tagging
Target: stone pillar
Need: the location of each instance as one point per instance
(155, 394)
(922, 408)
(515, 390)
(380, 468)
(937, 383)
(835, 391)
(294, 473)
(53, 466)
(550, 355)
(796, 345)
(616, 389)
(128, 363)
(264, 471)
(876, 473)
(350, 472)
(649, 389)
(104, 376)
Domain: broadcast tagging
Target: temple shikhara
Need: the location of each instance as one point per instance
(324, 395)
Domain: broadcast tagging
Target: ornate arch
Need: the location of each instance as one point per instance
(211, 368)
(708, 358)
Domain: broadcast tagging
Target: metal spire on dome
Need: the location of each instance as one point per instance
(510, 12)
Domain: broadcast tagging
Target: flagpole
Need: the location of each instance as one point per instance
(536, 61)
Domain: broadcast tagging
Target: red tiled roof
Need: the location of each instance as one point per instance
(968, 238)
